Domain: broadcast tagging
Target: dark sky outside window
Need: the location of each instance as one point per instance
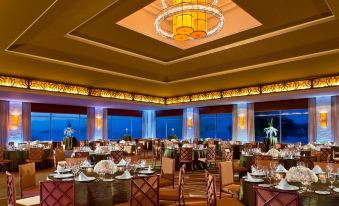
(216, 126)
(117, 126)
(166, 126)
(292, 125)
(50, 126)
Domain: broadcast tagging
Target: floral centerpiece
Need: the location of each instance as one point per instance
(271, 134)
(273, 152)
(296, 174)
(105, 166)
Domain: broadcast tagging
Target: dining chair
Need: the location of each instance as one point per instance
(141, 149)
(325, 154)
(57, 192)
(28, 188)
(117, 156)
(156, 154)
(227, 184)
(35, 156)
(128, 149)
(59, 156)
(186, 156)
(2, 158)
(75, 160)
(174, 194)
(210, 141)
(144, 191)
(211, 156)
(264, 196)
(335, 155)
(305, 153)
(212, 199)
(11, 195)
(81, 155)
(309, 161)
(167, 172)
(227, 154)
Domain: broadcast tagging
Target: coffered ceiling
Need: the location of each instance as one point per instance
(91, 43)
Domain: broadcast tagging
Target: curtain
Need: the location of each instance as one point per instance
(235, 122)
(104, 124)
(90, 123)
(26, 121)
(148, 124)
(312, 120)
(196, 123)
(4, 115)
(250, 122)
(335, 118)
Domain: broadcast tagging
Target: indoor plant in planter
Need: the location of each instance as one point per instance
(69, 141)
(271, 134)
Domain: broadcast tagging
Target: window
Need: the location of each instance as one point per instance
(169, 125)
(216, 126)
(119, 126)
(292, 125)
(50, 126)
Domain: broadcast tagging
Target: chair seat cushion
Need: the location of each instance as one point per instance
(233, 189)
(31, 201)
(31, 191)
(169, 194)
(163, 182)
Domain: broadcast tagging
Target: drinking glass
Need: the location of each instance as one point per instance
(331, 178)
(329, 168)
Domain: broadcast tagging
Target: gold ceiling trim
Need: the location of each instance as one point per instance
(278, 87)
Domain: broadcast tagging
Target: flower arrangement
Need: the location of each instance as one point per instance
(273, 152)
(105, 166)
(69, 131)
(309, 146)
(295, 174)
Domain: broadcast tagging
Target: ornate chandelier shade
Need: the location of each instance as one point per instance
(190, 19)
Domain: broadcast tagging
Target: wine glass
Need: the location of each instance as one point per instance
(331, 178)
(329, 168)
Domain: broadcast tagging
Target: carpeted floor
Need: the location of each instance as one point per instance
(195, 186)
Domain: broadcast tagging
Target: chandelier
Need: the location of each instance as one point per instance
(190, 19)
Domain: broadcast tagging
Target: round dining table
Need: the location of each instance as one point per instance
(309, 198)
(20, 156)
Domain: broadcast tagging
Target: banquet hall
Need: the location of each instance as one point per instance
(169, 103)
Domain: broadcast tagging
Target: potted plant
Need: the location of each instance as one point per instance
(271, 134)
(69, 141)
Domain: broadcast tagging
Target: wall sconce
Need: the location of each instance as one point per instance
(189, 122)
(15, 121)
(98, 119)
(323, 119)
(242, 121)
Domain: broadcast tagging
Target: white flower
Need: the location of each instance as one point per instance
(105, 166)
(295, 174)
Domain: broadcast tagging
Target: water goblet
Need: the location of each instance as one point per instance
(331, 178)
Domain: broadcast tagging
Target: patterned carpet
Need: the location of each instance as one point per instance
(194, 189)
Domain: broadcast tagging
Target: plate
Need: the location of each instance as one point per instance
(254, 180)
(123, 178)
(146, 172)
(336, 189)
(86, 166)
(88, 179)
(322, 192)
(257, 174)
(62, 176)
(264, 185)
(291, 187)
(63, 171)
(107, 180)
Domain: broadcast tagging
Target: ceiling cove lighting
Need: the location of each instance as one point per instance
(190, 19)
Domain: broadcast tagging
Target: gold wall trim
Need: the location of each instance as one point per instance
(278, 87)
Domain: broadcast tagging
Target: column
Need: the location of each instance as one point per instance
(323, 119)
(148, 124)
(15, 132)
(190, 129)
(99, 124)
(4, 114)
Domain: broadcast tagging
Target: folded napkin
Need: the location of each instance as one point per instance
(249, 177)
(317, 169)
(82, 176)
(283, 184)
(122, 162)
(126, 174)
(281, 168)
